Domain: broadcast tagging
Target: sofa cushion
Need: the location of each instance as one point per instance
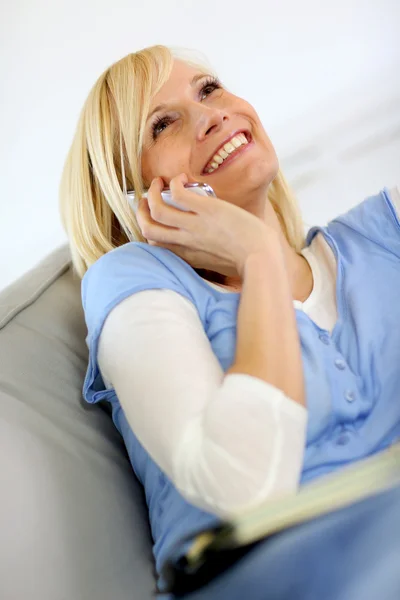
(73, 519)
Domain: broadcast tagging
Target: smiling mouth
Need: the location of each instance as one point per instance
(227, 151)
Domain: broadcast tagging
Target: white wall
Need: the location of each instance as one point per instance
(323, 76)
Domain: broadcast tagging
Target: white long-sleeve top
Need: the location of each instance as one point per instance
(226, 442)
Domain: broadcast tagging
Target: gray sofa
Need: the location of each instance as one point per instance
(73, 519)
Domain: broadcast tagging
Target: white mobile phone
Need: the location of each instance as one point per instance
(203, 189)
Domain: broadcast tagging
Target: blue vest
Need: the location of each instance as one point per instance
(352, 375)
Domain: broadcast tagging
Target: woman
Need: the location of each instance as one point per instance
(240, 359)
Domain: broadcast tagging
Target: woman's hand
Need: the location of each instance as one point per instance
(210, 234)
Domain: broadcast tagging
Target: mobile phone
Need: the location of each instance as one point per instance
(203, 189)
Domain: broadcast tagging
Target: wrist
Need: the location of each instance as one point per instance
(268, 252)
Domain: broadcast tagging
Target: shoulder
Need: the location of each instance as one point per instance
(376, 218)
(378, 206)
(134, 258)
(124, 271)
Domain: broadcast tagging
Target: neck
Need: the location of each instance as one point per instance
(299, 274)
(298, 269)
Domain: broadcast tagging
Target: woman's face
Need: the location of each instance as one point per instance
(190, 121)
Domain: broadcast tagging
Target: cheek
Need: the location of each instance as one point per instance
(147, 173)
(264, 138)
(255, 119)
(167, 160)
(172, 162)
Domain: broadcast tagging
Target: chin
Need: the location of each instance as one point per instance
(258, 175)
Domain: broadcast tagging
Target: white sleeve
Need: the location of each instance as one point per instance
(226, 442)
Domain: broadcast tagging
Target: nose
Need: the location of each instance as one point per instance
(209, 120)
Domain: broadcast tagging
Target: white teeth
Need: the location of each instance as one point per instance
(225, 151)
(229, 147)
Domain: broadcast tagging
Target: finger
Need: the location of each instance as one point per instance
(143, 212)
(154, 231)
(163, 213)
(151, 205)
(154, 197)
(184, 196)
(147, 224)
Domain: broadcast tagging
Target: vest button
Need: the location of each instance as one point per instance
(349, 395)
(343, 439)
(340, 364)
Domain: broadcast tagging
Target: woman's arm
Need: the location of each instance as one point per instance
(268, 344)
(226, 441)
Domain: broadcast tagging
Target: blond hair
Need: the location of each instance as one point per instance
(104, 160)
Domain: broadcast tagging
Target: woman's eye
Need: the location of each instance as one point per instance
(209, 87)
(159, 125)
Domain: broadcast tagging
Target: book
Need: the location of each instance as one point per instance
(213, 550)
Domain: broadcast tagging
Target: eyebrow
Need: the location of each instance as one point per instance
(192, 83)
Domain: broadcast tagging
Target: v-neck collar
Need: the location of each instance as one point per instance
(341, 307)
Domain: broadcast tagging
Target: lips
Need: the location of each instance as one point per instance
(227, 140)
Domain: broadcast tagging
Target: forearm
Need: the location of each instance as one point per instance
(268, 345)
